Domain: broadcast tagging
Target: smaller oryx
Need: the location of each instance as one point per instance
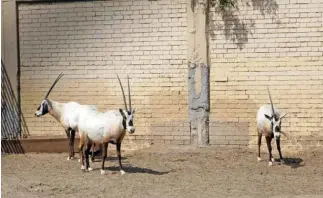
(65, 113)
(104, 128)
(269, 124)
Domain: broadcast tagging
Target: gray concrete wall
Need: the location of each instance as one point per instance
(9, 51)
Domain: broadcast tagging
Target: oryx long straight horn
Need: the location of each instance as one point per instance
(124, 97)
(53, 85)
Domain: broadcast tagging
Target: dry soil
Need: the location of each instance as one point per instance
(165, 172)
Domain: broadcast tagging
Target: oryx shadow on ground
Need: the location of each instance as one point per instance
(293, 162)
(129, 168)
(134, 169)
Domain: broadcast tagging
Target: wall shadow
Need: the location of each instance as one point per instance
(234, 27)
(11, 130)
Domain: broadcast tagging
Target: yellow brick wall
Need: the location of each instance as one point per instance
(89, 42)
(279, 44)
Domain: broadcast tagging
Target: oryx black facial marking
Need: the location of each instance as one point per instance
(124, 120)
(127, 121)
(45, 108)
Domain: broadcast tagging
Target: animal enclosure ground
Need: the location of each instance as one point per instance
(165, 172)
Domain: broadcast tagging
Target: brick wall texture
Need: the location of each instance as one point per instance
(278, 44)
(274, 43)
(89, 42)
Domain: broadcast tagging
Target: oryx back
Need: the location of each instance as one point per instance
(72, 111)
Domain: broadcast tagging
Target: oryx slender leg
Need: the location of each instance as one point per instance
(259, 145)
(71, 143)
(279, 151)
(92, 157)
(86, 153)
(68, 134)
(268, 141)
(119, 158)
(81, 146)
(104, 156)
(95, 152)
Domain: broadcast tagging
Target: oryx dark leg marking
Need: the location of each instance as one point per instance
(71, 142)
(259, 144)
(68, 134)
(93, 152)
(278, 148)
(86, 153)
(119, 156)
(104, 155)
(268, 141)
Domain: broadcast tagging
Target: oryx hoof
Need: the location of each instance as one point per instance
(122, 172)
(270, 163)
(87, 169)
(102, 172)
(82, 167)
(272, 159)
(70, 158)
(258, 159)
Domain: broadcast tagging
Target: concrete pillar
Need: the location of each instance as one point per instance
(9, 52)
(198, 71)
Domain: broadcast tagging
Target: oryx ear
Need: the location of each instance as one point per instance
(134, 110)
(122, 113)
(268, 117)
(281, 117)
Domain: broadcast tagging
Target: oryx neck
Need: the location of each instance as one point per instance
(124, 120)
(55, 109)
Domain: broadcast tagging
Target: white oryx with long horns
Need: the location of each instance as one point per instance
(65, 113)
(104, 128)
(269, 122)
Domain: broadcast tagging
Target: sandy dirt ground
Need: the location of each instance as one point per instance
(165, 172)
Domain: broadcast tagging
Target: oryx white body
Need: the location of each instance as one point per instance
(97, 125)
(104, 128)
(67, 114)
(269, 124)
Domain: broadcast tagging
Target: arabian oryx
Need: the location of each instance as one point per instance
(269, 122)
(65, 113)
(104, 128)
